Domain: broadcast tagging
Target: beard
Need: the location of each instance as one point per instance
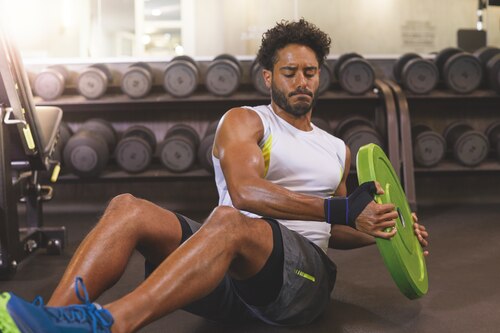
(298, 109)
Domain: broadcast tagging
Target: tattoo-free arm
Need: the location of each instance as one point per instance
(236, 145)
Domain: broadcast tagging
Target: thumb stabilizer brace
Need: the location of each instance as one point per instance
(345, 210)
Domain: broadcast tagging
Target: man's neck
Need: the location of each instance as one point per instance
(302, 123)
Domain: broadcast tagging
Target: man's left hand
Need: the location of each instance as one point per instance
(421, 233)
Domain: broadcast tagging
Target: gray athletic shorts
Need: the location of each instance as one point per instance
(308, 280)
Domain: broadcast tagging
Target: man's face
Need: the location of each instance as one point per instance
(295, 79)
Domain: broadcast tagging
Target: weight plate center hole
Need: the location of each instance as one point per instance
(401, 218)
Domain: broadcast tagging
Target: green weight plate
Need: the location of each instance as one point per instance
(402, 254)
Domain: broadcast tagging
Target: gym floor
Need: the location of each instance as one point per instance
(463, 269)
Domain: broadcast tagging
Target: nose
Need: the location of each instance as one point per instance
(301, 80)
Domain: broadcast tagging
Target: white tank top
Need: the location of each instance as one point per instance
(307, 162)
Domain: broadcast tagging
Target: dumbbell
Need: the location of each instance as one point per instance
(178, 150)
(356, 132)
(321, 123)
(181, 76)
(205, 148)
(257, 78)
(416, 74)
(93, 81)
(50, 82)
(325, 78)
(460, 71)
(470, 147)
(354, 73)
(137, 80)
(493, 134)
(87, 152)
(429, 147)
(490, 61)
(223, 75)
(135, 149)
(64, 135)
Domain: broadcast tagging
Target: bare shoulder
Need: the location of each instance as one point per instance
(241, 120)
(238, 126)
(241, 115)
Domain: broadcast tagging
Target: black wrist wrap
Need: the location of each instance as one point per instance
(345, 210)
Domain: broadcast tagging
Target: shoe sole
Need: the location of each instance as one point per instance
(7, 324)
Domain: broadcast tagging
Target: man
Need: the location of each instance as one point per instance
(270, 162)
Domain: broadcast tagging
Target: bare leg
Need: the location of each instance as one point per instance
(127, 224)
(228, 241)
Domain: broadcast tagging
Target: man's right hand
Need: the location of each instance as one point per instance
(376, 218)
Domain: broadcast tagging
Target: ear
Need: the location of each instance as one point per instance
(268, 77)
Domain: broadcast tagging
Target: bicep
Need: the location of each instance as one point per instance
(240, 161)
(237, 148)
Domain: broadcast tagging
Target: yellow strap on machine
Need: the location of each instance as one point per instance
(55, 173)
(28, 137)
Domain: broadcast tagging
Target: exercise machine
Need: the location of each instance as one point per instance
(28, 135)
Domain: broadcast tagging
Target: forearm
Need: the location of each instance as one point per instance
(268, 199)
(346, 238)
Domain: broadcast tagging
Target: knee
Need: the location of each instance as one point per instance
(225, 219)
(124, 209)
(224, 213)
(123, 202)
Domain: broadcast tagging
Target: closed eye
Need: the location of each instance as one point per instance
(310, 71)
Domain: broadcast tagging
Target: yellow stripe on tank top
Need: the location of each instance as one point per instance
(266, 153)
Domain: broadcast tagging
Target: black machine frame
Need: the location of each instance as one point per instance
(28, 135)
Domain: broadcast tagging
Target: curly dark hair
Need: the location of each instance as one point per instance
(284, 33)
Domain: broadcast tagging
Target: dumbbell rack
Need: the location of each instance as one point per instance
(479, 108)
(159, 106)
(391, 109)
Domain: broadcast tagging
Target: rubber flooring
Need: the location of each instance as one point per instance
(463, 269)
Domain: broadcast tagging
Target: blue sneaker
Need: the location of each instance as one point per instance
(19, 316)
